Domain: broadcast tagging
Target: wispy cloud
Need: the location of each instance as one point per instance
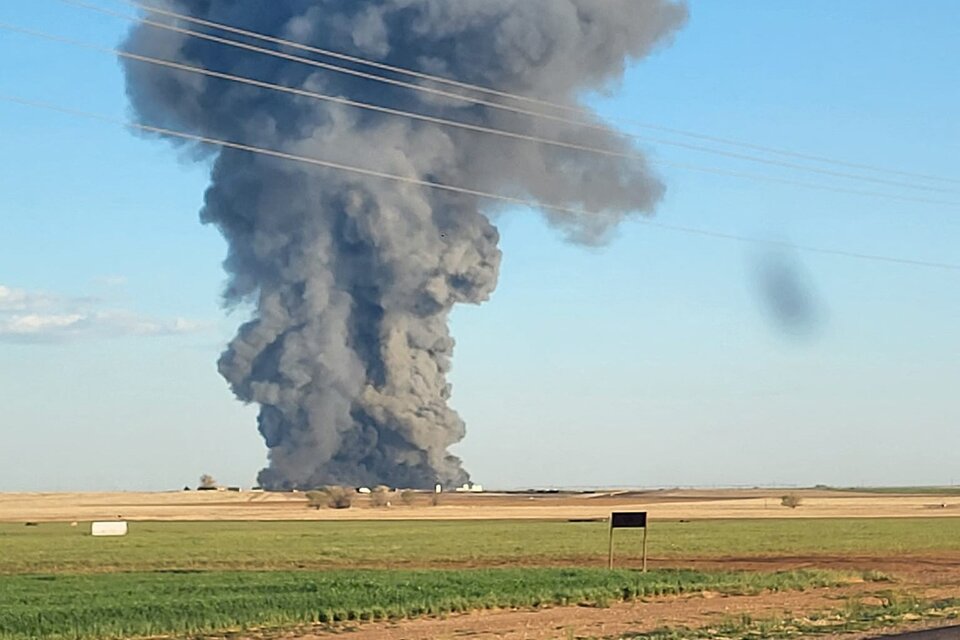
(33, 316)
(17, 300)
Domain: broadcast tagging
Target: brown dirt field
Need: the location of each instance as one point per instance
(673, 504)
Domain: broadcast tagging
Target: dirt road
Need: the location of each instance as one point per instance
(945, 633)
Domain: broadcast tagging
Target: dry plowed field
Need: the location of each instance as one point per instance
(664, 505)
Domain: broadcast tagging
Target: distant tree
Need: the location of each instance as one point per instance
(791, 500)
(331, 496)
(409, 497)
(380, 497)
(207, 481)
(317, 499)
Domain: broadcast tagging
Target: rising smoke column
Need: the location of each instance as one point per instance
(353, 278)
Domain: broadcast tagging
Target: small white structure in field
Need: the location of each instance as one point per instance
(469, 487)
(438, 488)
(111, 528)
(364, 490)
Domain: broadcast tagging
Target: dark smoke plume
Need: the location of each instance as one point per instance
(353, 278)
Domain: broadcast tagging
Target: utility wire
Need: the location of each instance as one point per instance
(452, 123)
(513, 96)
(283, 155)
(491, 104)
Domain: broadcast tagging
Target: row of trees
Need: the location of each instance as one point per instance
(334, 497)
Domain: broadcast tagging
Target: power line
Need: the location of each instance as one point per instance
(514, 96)
(495, 105)
(452, 123)
(461, 190)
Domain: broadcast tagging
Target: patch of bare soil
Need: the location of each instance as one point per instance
(911, 569)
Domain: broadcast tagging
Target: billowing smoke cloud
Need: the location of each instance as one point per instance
(353, 278)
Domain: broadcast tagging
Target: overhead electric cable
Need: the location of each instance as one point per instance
(283, 155)
(452, 123)
(495, 105)
(519, 97)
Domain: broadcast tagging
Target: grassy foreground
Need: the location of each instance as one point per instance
(144, 604)
(57, 547)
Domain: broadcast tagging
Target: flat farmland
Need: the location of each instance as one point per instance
(664, 505)
(262, 565)
(777, 544)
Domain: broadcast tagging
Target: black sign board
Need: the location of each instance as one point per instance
(628, 520)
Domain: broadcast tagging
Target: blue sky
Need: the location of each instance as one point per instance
(652, 361)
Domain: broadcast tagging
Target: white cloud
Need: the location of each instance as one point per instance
(12, 300)
(29, 316)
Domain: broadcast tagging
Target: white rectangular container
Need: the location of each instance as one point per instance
(111, 528)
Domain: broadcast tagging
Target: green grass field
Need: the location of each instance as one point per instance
(57, 581)
(142, 604)
(53, 548)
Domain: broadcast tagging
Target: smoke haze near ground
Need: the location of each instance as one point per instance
(353, 278)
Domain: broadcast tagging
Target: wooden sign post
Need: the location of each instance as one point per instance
(628, 520)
